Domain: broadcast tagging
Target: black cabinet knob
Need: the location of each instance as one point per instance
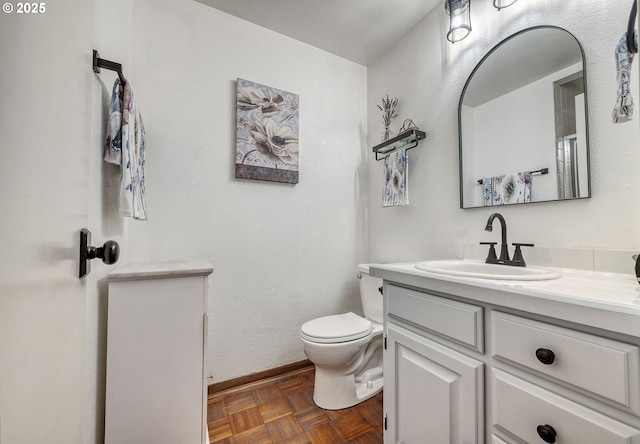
(545, 356)
(547, 433)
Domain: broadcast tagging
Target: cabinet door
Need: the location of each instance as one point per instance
(432, 393)
(155, 360)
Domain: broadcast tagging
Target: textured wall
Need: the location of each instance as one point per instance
(282, 254)
(429, 86)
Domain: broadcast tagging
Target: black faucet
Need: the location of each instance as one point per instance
(504, 251)
(518, 259)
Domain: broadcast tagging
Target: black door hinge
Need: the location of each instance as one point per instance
(385, 422)
(385, 342)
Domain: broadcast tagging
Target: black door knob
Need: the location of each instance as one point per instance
(546, 433)
(108, 253)
(545, 356)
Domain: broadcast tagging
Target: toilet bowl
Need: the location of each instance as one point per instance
(346, 350)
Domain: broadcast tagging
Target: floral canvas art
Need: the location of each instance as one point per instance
(267, 128)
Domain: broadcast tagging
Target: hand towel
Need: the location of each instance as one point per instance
(113, 144)
(125, 146)
(395, 191)
(623, 111)
(512, 188)
(487, 191)
(132, 187)
(507, 189)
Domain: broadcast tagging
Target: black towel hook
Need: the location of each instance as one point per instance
(632, 46)
(107, 64)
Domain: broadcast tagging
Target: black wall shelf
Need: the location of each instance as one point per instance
(406, 140)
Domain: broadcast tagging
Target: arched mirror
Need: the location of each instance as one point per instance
(523, 126)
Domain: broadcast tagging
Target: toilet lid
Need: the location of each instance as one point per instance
(337, 328)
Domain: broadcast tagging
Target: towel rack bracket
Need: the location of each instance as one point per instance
(107, 64)
(632, 46)
(96, 57)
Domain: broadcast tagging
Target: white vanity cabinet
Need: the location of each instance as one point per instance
(156, 345)
(472, 361)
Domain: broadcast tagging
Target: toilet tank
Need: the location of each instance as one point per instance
(370, 294)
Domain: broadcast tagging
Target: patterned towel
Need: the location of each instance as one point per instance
(623, 111)
(487, 191)
(507, 189)
(132, 200)
(125, 146)
(113, 144)
(395, 191)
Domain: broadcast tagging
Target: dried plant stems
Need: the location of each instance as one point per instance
(388, 109)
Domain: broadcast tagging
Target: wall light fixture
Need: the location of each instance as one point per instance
(499, 4)
(459, 12)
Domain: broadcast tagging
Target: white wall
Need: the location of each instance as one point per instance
(515, 137)
(429, 89)
(282, 254)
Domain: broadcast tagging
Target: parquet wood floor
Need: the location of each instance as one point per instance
(281, 411)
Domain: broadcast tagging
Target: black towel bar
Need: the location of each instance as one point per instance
(540, 171)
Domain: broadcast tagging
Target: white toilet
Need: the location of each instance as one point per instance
(347, 350)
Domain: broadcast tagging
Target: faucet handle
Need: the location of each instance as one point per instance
(518, 259)
(491, 257)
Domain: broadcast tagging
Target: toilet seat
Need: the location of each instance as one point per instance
(336, 328)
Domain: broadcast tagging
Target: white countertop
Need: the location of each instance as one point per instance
(155, 270)
(602, 300)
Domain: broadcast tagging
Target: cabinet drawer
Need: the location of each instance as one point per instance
(520, 407)
(606, 368)
(454, 320)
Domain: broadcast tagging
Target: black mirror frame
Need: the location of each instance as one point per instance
(586, 99)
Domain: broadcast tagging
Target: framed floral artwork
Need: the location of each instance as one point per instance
(267, 127)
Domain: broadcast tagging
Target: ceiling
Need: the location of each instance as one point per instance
(358, 30)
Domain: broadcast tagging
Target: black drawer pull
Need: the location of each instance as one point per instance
(546, 433)
(545, 356)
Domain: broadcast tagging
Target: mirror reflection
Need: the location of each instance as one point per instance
(523, 126)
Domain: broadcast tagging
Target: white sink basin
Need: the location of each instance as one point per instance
(477, 269)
